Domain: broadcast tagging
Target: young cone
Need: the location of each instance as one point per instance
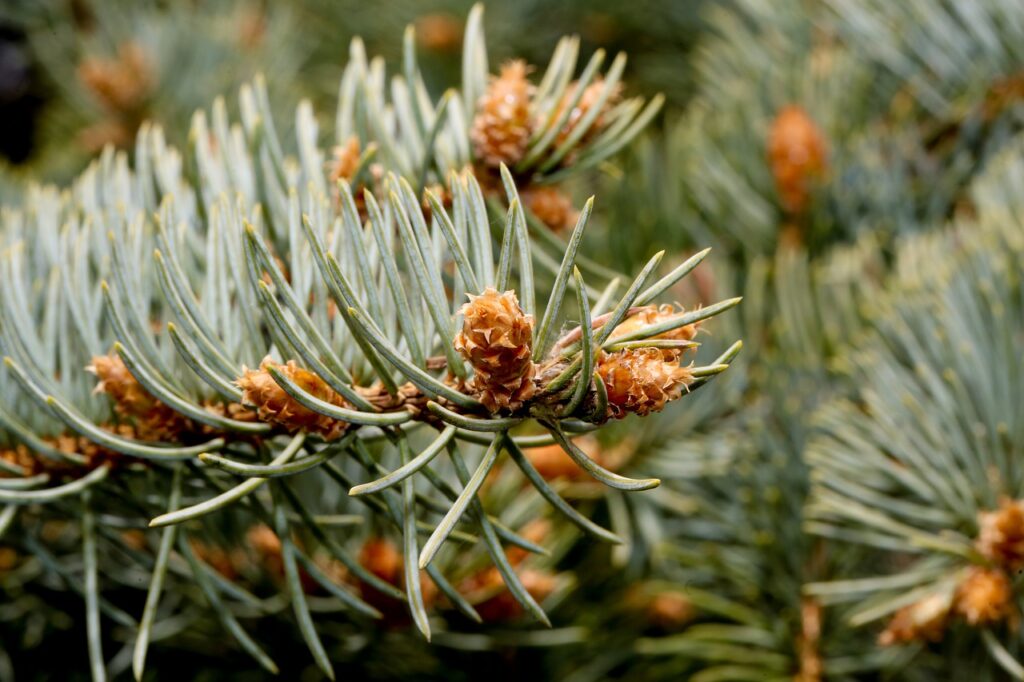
(587, 102)
(797, 154)
(552, 207)
(985, 597)
(497, 338)
(153, 420)
(345, 161)
(653, 314)
(277, 407)
(642, 380)
(120, 84)
(1001, 534)
(502, 125)
(923, 621)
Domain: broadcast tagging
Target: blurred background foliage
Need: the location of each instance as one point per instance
(858, 167)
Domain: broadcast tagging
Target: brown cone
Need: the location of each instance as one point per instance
(551, 206)
(382, 558)
(345, 161)
(797, 155)
(923, 621)
(153, 419)
(653, 314)
(641, 380)
(1001, 534)
(503, 124)
(497, 340)
(587, 102)
(277, 407)
(122, 83)
(439, 32)
(985, 597)
(496, 604)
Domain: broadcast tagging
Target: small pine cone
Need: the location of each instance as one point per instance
(345, 162)
(381, 557)
(536, 531)
(153, 420)
(134, 538)
(797, 154)
(224, 562)
(119, 84)
(267, 547)
(1001, 534)
(277, 407)
(503, 122)
(985, 597)
(8, 559)
(587, 102)
(653, 314)
(551, 206)
(124, 389)
(21, 456)
(497, 340)
(669, 610)
(498, 604)
(923, 621)
(641, 380)
(439, 32)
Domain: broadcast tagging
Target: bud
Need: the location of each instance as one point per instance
(439, 32)
(381, 557)
(551, 206)
(115, 380)
(797, 154)
(669, 610)
(924, 620)
(587, 102)
(641, 380)
(503, 124)
(224, 562)
(985, 597)
(536, 531)
(1001, 534)
(653, 314)
(153, 419)
(496, 339)
(497, 603)
(8, 559)
(119, 84)
(21, 456)
(267, 548)
(345, 161)
(277, 407)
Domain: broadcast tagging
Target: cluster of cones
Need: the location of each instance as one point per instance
(506, 120)
(984, 594)
(497, 340)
